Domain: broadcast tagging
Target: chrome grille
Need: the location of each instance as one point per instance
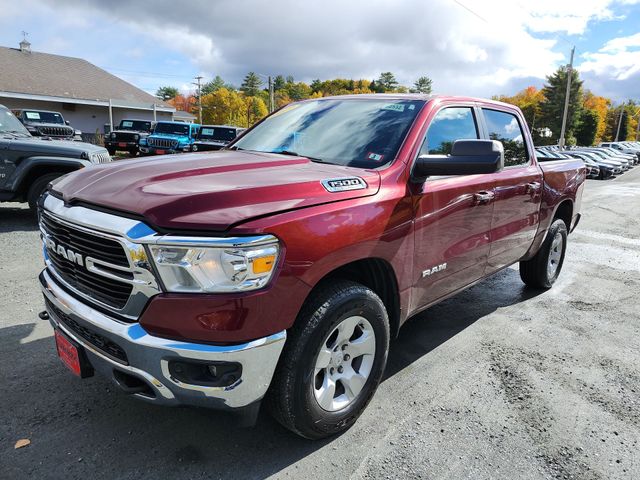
(100, 157)
(106, 290)
(162, 142)
(56, 131)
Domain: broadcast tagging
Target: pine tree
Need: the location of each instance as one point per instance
(552, 107)
(251, 84)
(422, 85)
(167, 93)
(387, 82)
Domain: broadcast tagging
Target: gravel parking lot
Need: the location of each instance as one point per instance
(497, 382)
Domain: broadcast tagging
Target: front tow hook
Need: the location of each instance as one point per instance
(43, 315)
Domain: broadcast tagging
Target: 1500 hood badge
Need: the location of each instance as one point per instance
(344, 184)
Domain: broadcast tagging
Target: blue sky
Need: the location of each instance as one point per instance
(471, 48)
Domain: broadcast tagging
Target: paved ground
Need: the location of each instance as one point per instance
(497, 382)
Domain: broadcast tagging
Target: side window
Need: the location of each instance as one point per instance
(506, 128)
(449, 125)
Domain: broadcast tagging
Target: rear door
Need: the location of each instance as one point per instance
(517, 189)
(453, 214)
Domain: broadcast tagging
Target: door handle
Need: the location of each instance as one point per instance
(481, 198)
(532, 187)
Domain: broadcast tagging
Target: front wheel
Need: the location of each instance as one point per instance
(544, 268)
(38, 187)
(333, 361)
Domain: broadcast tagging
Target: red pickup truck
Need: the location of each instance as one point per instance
(280, 268)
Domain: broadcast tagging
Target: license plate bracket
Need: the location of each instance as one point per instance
(122, 144)
(73, 355)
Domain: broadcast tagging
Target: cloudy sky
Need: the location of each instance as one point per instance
(466, 47)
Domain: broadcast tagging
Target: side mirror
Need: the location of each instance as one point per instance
(67, 122)
(468, 157)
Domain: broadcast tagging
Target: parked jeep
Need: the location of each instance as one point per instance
(127, 135)
(43, 123)
(215, 137)
(28, 164)
(169, 137)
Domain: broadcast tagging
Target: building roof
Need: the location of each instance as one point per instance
(48, 75)
(183, 114)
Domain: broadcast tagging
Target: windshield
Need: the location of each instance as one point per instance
(365, 133)
(140, 125)
(43, 117)
(10, 124)
(217, 133)
(172, 128)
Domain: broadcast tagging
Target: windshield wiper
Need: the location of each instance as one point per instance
(296, 154)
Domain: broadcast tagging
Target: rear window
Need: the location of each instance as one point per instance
(217, 133)
(505, 128)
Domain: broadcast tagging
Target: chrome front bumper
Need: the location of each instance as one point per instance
(149, 356)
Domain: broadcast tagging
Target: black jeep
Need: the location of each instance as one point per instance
(127, 136)
(28, 164)
(215, 137)
(43, 123)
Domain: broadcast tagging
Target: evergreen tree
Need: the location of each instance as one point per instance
(586, 132)
(422, 85)
(167, 93)
(386, 82)
(552, 107)
(251, 84)
(216, 84)
(279, 83)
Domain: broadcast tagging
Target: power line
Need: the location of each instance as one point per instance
(469, 10)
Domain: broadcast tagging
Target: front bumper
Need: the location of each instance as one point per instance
(119, 145)
(148, 357)
(147, 150)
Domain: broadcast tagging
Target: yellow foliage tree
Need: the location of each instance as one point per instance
(601, 106)
(224, 107)
(529, 101)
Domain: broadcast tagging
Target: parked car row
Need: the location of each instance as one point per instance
(604, 161)
(159, 138)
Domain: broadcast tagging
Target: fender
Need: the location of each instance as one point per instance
(28, 164)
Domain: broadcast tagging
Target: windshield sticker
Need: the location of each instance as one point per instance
(394, 107)
(33, 115)
(127, 124)
(376, 157)
(412, 107)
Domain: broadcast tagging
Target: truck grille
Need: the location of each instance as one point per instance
(125, 137)
(105, 290)
(100, 157)
(56, 131)
(162, 143)
(100, 342)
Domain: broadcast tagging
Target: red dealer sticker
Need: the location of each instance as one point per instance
(68, 353)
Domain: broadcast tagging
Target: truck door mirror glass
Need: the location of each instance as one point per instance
(468, 157)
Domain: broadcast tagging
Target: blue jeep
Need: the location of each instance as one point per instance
(169, 137)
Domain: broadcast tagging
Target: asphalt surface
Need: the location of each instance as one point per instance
(497, 382)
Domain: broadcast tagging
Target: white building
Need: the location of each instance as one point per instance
(84, 94)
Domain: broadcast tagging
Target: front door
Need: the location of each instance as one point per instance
(453, 215)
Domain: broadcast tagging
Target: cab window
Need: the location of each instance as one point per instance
(449, 124)
(505, 127)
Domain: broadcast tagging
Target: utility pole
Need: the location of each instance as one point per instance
(198, 78)
(619, 122)
(271, 99)
(561, 142)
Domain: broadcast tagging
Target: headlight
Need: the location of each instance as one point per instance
(215, 269)
(136, 137)
(113, 135)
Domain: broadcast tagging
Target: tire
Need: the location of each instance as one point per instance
(543, 270)
(38, 187)
(298, 386)
(112, 151)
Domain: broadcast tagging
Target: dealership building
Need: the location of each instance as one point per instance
(87, 96)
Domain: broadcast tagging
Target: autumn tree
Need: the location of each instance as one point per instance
(167, 93)
(185, 103)
(251, 84)
(224, 107)
(422, 85)
(256, 110)
(601, 106)
(552, 106)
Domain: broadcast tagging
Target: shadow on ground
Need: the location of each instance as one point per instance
(78, 428)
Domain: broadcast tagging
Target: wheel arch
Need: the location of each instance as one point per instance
(564, 211)
(374, 273)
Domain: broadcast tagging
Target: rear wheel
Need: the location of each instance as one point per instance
(112, 151)
(333, 361)
(543, 269)
(38, 187)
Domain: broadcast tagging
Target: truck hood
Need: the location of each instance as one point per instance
(210, 191)
(33, 146)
